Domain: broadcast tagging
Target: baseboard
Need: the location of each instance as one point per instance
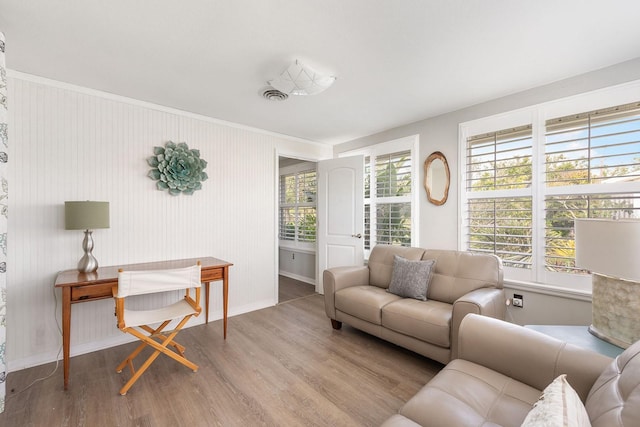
(297, 277)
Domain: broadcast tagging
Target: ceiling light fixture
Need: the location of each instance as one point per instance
(300, 79)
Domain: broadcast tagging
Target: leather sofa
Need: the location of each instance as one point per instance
(461, 283)
(502, 369)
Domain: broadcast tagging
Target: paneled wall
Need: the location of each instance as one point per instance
(71, 143)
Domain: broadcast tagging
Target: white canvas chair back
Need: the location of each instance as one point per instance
(139, 322)
(153, 281)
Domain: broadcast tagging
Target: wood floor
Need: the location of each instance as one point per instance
(280, 366)
(290, 289)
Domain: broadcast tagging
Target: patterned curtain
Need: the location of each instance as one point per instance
(4, 144)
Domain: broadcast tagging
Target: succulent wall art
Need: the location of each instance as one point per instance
(177, 168)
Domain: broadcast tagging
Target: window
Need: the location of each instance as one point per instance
(389, 195)
(525, 184)
(499, 202)
(298, 206)
(587, 157)
(391, 198)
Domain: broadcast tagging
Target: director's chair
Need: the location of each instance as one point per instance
(137, 322)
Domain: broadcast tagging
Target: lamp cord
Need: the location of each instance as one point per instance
(55, 318)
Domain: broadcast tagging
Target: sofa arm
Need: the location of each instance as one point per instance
(334, 279)
(485, 301)
(526, 355)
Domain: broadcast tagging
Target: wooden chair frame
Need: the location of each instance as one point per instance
(156, 338)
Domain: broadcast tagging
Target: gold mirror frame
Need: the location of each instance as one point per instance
(435, 185)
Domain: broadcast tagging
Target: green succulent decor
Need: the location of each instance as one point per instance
(177, 168)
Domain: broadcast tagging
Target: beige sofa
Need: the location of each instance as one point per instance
(462, 283)
(502, 369)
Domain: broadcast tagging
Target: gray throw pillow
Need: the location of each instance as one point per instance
(411, 279)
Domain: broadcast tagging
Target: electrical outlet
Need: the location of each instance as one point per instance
(518, 301)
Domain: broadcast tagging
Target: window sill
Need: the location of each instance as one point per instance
(553, 290)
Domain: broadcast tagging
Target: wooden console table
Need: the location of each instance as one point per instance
(83, 287)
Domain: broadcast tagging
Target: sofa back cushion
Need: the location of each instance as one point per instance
(614, 399)
(528, 356)
(381, 262)
(458, 273)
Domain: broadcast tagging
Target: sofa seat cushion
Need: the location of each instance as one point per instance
(467, 394)
(398, 420)
(364, 302)
(428, 321)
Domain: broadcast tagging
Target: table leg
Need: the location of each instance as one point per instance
(206, 301)
(225, 298)
(66, 331)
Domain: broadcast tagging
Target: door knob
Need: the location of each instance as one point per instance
(359, 236)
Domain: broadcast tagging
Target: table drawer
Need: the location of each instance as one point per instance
(87, 292)
(213, 274)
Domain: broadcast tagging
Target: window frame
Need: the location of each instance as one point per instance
(537, 116)
(411, 144)
(296, 169)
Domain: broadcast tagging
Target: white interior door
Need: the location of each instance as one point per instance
(340, 213)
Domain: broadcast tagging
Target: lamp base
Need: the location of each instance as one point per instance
(88, 263)
(615, 310)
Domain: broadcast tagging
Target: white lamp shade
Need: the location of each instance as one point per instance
(299, 79)
(609, 247)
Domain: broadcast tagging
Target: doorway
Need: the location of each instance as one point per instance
(296, 228)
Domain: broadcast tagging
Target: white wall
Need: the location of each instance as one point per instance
(439, 225)
(70, 143)
(298, 265)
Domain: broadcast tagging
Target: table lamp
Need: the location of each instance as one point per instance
(610, 249)
(86, 216)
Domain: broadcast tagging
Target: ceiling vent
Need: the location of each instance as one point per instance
(272, 94)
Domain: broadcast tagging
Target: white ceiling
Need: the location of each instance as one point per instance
(397, 61)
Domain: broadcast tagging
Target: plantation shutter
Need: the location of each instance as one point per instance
(498, 224)
(367, 203)
(298, 206)
(287, 207)
(502, 226)
(387, 199)
(393, 198)
(499, 160)
(581, 151)
(596, 147)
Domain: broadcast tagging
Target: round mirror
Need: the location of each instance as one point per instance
(436, 178)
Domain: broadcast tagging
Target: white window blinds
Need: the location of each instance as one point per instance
(601, 146)
(387, 212)
(499, 161)
(590, 159)
(298, 206)
(525, 185)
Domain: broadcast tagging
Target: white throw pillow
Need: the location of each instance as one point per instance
(559, 406)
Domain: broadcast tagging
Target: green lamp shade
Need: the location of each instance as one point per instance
(86, 215)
